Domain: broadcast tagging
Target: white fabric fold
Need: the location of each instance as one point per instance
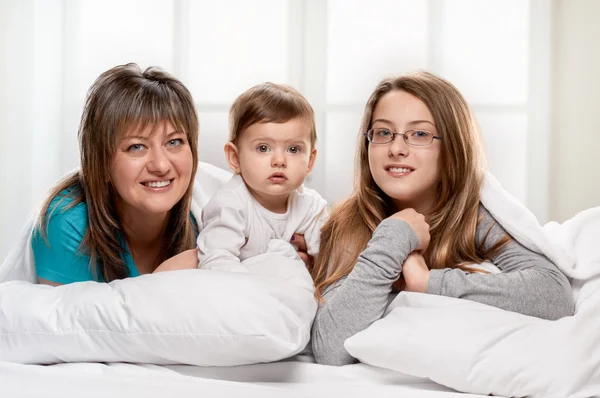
(553, 240)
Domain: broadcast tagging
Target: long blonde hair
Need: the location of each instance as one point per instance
(453, 220)
(121, 98)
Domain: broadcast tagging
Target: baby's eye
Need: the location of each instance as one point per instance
(294, 149)
(262, 148)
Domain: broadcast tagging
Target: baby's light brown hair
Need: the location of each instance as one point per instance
(269, 103)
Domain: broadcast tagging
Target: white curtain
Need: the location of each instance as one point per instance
(497, 52)
(31, 93)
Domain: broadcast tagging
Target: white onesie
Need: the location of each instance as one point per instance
(235, 227)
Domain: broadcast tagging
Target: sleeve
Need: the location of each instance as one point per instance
(223, 230)
(529, 284)
(59, 259)
(311, 228)
(355, 302)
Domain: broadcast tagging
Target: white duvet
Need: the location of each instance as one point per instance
(198, 317)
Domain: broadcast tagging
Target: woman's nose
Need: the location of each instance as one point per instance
(158, 162)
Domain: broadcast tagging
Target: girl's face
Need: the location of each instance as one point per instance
(409, 175)
(274, 159)
(151, 170)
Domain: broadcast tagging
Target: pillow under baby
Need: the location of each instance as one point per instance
(196, 317)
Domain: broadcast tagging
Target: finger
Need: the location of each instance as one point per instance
(307, 260)
(299, 242)
(304, 256)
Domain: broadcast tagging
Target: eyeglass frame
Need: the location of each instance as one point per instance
(404, 136)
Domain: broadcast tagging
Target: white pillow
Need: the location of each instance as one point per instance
(476, 348)
(197, 317)
(480, 349)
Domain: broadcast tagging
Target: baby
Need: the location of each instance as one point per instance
(271, 149)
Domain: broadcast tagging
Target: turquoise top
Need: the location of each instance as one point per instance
(61, 260)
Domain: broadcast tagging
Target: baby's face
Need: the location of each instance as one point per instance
(275, 158)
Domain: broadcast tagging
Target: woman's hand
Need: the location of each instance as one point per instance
(415, 273)
(185, 260)
(418, 224)
(300, 244)
(47, 282)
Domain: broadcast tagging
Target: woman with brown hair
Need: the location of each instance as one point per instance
(414, 221)
(127, 209)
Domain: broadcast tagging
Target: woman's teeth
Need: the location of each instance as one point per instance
(399, 170)
(157, 184)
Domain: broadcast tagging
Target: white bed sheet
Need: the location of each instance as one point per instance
(289, 379)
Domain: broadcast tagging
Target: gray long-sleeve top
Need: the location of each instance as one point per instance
(529, 284)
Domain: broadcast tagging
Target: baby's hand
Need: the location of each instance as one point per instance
(300, 244)
(185, 260)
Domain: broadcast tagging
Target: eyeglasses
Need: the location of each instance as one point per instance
(411, 137)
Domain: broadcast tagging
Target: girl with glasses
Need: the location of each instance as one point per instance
(414, 221)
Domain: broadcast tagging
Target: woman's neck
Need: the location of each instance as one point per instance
(423, 204)
(422, 208)
(143, 234)
(142, 230)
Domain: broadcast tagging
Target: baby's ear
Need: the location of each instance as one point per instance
(311, 161)
(232, 156)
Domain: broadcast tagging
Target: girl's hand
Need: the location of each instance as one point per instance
(416, 273)
(418, 224)
(185, 260)
(300, 244)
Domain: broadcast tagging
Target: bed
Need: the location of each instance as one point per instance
(292, 378)
(245, 334)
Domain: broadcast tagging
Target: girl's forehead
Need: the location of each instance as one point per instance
(399, 101)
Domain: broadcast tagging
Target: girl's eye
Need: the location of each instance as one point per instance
(262, 148)
(384, 133)
(175, 142)
(294, 149)
(420, 134)
(135, 148)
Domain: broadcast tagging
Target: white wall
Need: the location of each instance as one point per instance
(575, 155)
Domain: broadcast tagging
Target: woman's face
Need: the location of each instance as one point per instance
(408, 174)
(151, 169)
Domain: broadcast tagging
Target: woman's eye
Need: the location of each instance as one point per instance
(384, 133)
(175, 142)
(262, 148)
(135, 148)
(420, 134)
(294, 149)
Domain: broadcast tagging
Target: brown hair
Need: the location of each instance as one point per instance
(269, 103)
(120, 99)
(454, 218)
